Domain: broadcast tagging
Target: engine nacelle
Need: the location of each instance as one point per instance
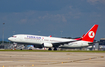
(47, 45)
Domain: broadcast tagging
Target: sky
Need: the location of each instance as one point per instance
(59, 18)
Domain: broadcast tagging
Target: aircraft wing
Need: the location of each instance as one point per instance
(61, 43)
(64, 42)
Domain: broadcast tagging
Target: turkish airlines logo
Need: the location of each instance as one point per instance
(91, 34)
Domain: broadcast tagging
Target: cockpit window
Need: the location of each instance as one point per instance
(14, 36)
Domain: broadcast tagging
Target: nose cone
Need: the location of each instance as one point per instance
(9, 38)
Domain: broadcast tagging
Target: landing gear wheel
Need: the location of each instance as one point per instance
(55, 48)
(49, 49)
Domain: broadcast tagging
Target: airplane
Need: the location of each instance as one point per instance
(55, 42)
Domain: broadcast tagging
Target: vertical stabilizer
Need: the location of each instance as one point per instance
(90, 35)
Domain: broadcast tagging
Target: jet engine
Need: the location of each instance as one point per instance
(49, 45)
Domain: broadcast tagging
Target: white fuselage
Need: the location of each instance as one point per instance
(47, 41)
(35, 39)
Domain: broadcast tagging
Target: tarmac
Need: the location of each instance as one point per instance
(51, 59)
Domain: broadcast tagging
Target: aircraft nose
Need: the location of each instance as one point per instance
(9, 38)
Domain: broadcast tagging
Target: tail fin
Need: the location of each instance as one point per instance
(90, 35)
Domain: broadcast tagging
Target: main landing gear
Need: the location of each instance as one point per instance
(52, 49)
(49, 48)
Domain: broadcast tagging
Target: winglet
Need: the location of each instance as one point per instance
(50, 36)
(80, 38)
(90, 35)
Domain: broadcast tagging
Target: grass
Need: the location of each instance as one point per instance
(54, 51)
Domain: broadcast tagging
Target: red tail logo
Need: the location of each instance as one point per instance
(90, 35)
